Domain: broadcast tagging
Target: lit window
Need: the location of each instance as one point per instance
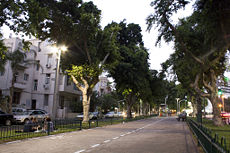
(47, 79)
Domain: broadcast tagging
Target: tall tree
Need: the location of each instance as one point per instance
(133, 66)
(201, 36)
(16, 58)
(75, 24)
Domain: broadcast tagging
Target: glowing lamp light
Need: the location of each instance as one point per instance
(220, 105)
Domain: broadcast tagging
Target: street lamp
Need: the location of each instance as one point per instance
(220, 105)
(58, 50)
(177, 110)
(178, 104)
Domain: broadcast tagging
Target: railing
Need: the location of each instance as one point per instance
(17, 132)
(204, 136)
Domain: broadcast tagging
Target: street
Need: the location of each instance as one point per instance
(153, 135)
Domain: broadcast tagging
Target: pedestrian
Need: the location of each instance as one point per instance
(28, 127)
(48, 125)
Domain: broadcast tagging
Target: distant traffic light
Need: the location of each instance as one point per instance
(219, 92)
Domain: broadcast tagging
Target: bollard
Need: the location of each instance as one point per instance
(48, 128)
(80, 125)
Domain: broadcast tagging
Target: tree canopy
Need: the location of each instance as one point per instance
(201, 41)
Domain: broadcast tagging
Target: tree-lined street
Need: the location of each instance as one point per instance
(153, 135)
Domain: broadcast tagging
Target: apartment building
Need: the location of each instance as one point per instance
(103, 86)
(36, 80)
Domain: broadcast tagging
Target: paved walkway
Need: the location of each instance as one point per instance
(154, 135)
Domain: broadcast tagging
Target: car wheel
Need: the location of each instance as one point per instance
(26, 121)
(8, 122)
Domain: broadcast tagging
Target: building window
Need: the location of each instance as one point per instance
(75, 87)
(68, 80)
(1, 73)
(35, 85)
(47, 79)
(38, 65)
(46, 99)
(61, 102)
(26, 77)
(15, 76)
(39, 46)
(49, 59)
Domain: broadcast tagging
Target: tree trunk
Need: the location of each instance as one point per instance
(11, 94)
(217, 120)
(86, 106)
(130, 102)
(194, 106)
(199, 109)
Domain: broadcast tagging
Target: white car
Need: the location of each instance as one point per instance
(81, 116)
(24, 117)
(110, 114)
(18, 111)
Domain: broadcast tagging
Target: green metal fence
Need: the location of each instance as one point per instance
(204, 136)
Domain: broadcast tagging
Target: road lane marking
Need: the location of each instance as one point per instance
(107, 141)
(128, 133)
(122, 135)
(80, 151)
(13, 142)
(93, 146)
(115, 138)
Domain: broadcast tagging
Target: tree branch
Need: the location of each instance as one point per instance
(197, 89)
(85, 83)
(206, 84)
(105, 58)
(77, 83)
(177, 35)
(78, 47)
(87, 51)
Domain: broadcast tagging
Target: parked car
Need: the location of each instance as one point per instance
(18, 110)
(114, 114)
(110, 114)
(6, 119)
(81, 116)
(24, 117)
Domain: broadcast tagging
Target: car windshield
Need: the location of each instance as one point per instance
(26, 113)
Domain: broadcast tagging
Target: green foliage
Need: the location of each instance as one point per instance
(86, 71)
(108, 102)
(3, 58)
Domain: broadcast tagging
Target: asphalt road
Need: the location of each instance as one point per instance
(154, 135)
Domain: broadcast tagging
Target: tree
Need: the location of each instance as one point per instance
(133, 66)
(108, 102)
(201, 36)
(75, 24)
(16, 58)
(9, 10)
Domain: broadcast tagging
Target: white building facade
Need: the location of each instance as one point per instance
(35, 81)
(103, 86)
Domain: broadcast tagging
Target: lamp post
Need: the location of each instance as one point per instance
(178, 104)
(177, 110)
(56, 83)
(222, 96)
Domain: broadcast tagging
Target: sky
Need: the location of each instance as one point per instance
(134, 11)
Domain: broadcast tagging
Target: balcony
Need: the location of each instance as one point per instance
(20, 85)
